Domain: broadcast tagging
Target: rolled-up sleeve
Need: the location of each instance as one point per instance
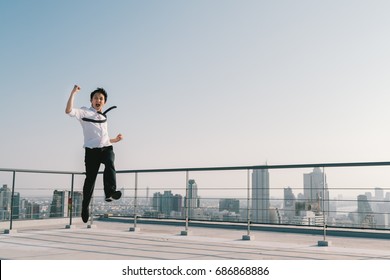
(77, 113)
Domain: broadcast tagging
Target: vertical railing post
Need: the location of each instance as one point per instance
(187, 198)
(248, 203)
(248, 209)
(323, 242)
(10, 230)
(12, 200)
(323, 201)
(71, 201)
(134, 228)
(91, 225)
(135, 199)
(185, 231)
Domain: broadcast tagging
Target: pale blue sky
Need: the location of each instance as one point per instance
(197, 83)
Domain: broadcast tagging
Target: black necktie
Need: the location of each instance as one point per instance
(104, 114)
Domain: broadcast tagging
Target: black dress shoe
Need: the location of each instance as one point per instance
(85, 214)
(114, 196)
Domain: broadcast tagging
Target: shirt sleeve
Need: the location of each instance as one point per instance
(77, 113)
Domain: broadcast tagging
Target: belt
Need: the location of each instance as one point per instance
(99, 149)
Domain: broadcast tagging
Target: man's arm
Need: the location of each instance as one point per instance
(118, 138)
(69, 105)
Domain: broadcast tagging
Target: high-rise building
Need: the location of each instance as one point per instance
(16, 206)
(229, 204)
(60, 204)
(5, 203)
(315, 191)
(157, 201)
(289, 203)
(365, 213)
(6, 200)
(33, 210)
(193, 198)
(177, 203)
(77, 202)
(147, 197)
(260, 196)
(5, 197)
(167, 203)
(379, 194)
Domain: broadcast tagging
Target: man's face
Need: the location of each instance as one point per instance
(98, 101)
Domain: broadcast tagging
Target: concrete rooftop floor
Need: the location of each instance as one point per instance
(114, 241)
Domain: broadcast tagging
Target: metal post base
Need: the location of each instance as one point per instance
(324, 243)
(70, 226)
(248, 237)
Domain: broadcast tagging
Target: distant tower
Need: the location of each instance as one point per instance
(59, 204)
(314, 184)
(147, 196)
(177, 203)
(5, 203)
(157, 201)
(365, 213)
(16, 206)
(166, 203)
(289, 203)
(379, 194)
(5, 198)
(260, 196)
(32, 210)
(193, 198)
(229, 204)
(77, 203)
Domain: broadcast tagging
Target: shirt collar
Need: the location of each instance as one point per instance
(93, 109)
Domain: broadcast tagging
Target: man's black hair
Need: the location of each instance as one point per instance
(100, 90)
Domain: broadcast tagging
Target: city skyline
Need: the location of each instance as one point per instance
(307, 207)
(229, 181)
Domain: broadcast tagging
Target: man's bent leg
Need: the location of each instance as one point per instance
(109, 175)
(92, 164)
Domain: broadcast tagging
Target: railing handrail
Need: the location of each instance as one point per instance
(217, 168)
(250, 167)
(41, 171)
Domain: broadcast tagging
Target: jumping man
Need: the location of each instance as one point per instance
(98, 146)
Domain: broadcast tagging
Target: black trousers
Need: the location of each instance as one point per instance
(93, 159)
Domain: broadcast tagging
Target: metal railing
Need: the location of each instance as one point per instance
(257, 203)
(10, 202)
